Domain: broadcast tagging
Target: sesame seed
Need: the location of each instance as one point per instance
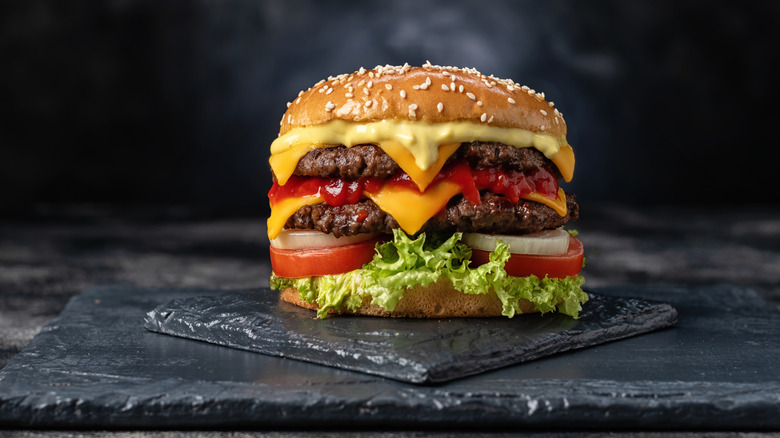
(300, 93)
(544, 113)
(445, 73)
(361, 83)
(368, 103)
(389, 87)
(370, 84)
(349, 95)
(460, 89)
(424, 86)
(365, 91)
(556, 121)
(412, 114)
(490, 120)
(440, 107)
(542, 127)
(452, 86)
(471, 95)
(413, 106)
(512, 101)
(330, 90)
(428, 81)
(403, 94)
(298, 100)
(483, 117)
(445, 87)
(329, 106)
(288, 104)
(416, 87)
(370, 74)
(479, 103)
(289, 118)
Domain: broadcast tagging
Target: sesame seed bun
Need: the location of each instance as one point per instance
(430, 93)
(437, 300)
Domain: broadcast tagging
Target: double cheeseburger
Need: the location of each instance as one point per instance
(423, 192)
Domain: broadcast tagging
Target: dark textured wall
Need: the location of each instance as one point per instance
(177, 102)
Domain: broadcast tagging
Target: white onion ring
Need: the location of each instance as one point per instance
(307, 239)
(547, 242)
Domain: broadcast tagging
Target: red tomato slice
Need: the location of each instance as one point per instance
(554, 266)
(293, 263)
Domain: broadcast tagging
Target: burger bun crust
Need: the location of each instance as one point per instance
(437, 300)
(431, 94)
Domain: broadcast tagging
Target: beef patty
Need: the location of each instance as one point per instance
(495, 214)
(370, 161)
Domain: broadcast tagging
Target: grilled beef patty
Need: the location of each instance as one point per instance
(369, 161)
(495, 214)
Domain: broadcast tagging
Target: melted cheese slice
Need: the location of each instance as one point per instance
(410, 208)
(282, 210)
(424, 144)
(405, 160)
(558, 204)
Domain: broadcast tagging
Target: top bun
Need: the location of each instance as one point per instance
(430, 93)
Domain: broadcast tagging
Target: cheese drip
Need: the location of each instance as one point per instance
(426, 144)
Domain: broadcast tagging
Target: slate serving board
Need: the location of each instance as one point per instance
(416, 351)
(95, 366)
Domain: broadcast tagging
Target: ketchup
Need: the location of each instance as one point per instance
(335, 191)
(510, 183)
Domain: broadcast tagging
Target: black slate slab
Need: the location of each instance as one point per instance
(416, 351)
(96, 366)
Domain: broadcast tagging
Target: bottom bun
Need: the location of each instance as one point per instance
(437, 300)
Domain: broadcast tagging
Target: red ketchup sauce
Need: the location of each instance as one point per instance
(510, 183)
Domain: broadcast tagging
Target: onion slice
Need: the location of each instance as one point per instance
(547, 242)
(308, 239)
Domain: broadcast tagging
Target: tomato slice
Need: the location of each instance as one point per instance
(293, 263)
(554, 266)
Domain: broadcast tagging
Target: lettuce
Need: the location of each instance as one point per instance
(405, 262)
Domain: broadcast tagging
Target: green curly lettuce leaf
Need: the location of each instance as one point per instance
(405, 262)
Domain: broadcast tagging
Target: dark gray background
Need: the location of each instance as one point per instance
(174, 102)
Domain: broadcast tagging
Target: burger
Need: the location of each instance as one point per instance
(428, 191)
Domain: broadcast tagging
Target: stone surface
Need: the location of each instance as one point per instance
(415, 351)
(96, 366)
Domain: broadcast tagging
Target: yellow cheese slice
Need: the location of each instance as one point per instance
(282, 210)
(401, 155)
(564, 161)
(410, 208)
(283, 164)
(558, 204)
